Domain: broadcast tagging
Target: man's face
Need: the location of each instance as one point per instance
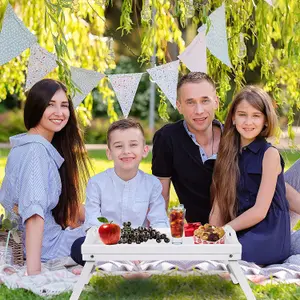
(197, 103)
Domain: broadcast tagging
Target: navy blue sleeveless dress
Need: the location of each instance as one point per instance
(268, 242)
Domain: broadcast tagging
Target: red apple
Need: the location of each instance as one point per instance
(109, 233)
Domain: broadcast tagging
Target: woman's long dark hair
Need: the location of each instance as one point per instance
(226, 170)
(74, 172)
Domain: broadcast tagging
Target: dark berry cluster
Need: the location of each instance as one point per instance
(141, 234)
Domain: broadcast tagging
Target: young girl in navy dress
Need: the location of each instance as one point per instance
(248, 188)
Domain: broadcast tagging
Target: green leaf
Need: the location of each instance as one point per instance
(103, 220)
(3, 5)
(6, 224)
(290, 47)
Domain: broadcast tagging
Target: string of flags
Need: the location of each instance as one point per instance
(15, 38)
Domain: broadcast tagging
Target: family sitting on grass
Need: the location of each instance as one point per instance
(222, 174)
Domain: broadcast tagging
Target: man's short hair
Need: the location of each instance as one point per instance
(194, 77)
(123, 124)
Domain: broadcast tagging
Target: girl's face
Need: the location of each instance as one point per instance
(249, 122)
(55, 116)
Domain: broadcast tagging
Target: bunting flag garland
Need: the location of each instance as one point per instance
(166, 77)
(41, 62)
(194, 55)
(216, 37)
(85, 80)
(14, 36)
(270, 2)
(125, 86)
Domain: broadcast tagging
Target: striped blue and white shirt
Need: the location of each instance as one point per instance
(137, 200)
(32, 182)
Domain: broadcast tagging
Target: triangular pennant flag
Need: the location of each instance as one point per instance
(216, 37)
(14, 36)
(194, 55)
(270, 2)
(125, 86)
(41, 62)
(166, 77)
(85, 80)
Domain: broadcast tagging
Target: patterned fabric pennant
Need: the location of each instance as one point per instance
(14, 36)
(194, 55)
(125, 86)
(216, 37)
(270, 2)
(166, 77)
(41, 62)
(85, 80)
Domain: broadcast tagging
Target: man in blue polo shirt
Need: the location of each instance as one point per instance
(185, 152)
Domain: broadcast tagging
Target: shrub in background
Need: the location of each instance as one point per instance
(11, 124)
(96, 133)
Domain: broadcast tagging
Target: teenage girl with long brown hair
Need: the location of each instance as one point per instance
(248, 189)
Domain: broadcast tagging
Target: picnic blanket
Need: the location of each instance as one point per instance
(57, 276)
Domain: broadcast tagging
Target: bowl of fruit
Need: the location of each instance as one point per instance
(209, 234)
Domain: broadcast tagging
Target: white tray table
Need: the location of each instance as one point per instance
(94, 250)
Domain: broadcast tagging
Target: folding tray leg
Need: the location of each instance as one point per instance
(237, 272)
(233, 279)
(83, 279)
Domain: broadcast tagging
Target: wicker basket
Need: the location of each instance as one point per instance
(17, 248)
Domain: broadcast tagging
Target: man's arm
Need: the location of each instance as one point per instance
(293, 198)
(166, 182)
(162, 162)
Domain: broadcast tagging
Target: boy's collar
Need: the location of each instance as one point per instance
(119, 179)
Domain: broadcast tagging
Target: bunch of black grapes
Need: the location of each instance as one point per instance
(141, 234)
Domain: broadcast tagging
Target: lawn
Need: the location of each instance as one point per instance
(163, 286)
(166, 287)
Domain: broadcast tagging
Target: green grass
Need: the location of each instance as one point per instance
(163, 286)
(166, 287)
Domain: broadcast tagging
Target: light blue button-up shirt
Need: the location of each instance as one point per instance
(32, 182)
(137, 200)
(203, 155)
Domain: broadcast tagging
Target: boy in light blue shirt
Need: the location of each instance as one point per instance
(123, 193)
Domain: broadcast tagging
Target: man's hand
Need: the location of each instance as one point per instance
(293, 198)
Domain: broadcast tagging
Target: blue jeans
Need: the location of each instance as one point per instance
(76, 251)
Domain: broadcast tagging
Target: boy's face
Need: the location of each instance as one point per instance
(126, 148)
